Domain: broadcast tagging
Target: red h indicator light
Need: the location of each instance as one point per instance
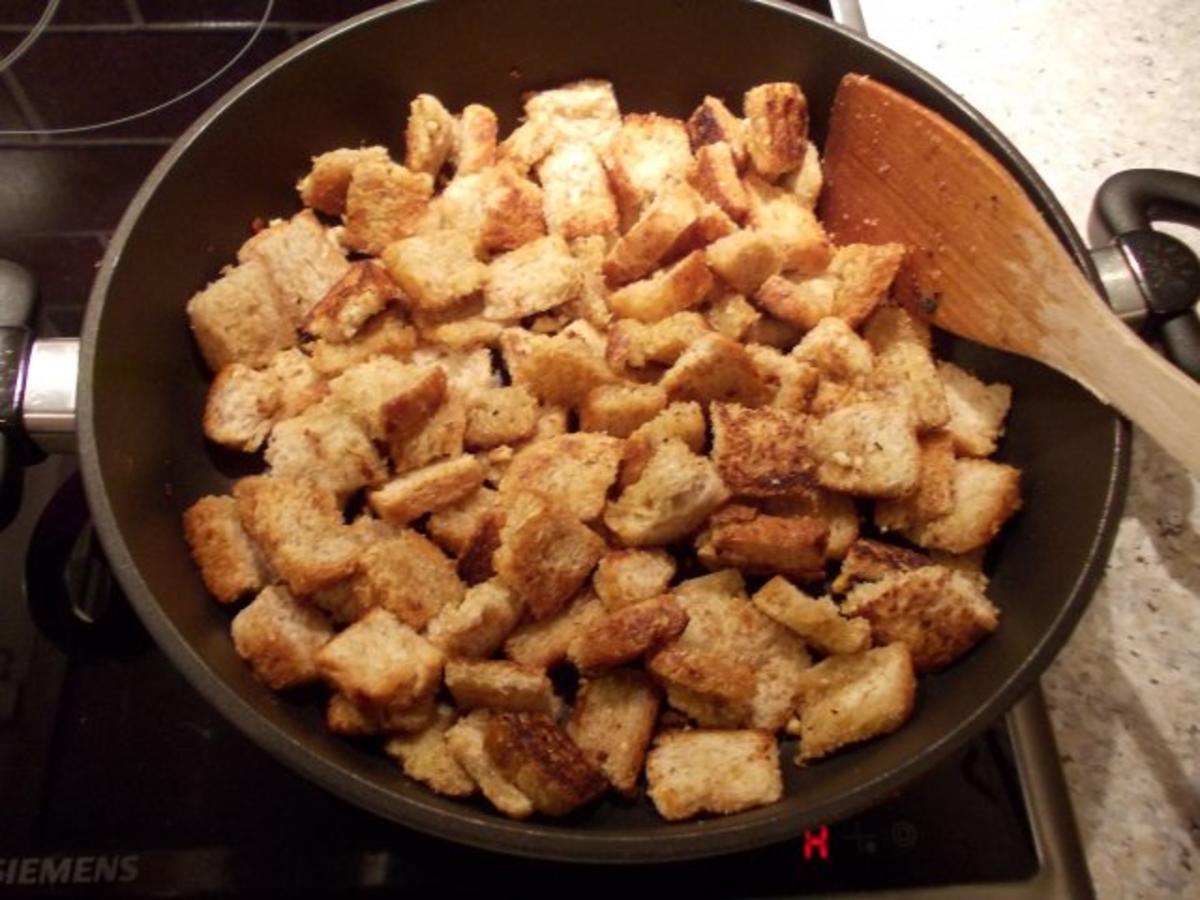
(816, 844)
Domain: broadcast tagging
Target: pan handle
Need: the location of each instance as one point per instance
(1152, 278)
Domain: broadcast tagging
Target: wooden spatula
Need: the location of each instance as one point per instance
(984, 264)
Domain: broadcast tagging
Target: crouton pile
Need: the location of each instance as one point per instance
(589, 461)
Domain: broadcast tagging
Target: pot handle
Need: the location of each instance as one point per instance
(1152, 278)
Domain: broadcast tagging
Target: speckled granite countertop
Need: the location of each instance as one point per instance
(1086, 88)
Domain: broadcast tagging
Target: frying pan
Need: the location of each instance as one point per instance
(142, 383)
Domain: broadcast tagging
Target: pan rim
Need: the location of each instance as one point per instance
(547, 840)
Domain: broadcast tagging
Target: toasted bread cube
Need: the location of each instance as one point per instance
(625, 577)
(847, 699)
(800, 300)
(712, 689)
(817, 621)
(793, 383)
(668, 291)
(864, 273)
(765, 545)
(466, 742)
(324, 187)
(793, 226)
(891, 325)
(761, 452)
(628, 633)
(240, 318)
(577, 200)
(387, 396)
(869, 560)
(722, 621)
(467, 372)
(544, 643)
(620, 409)
(475, 628)
(527, 144)
(228, 561)
(745, 259)
(937, 613)
(663, 224)
(584, 111)
(713, 123)
(807, 181)
(986, 495)
(300, 384)
(907, 372)
(381, 660)
(329, 449)
(430, 135)
(499, 684)
(558, 370)
(867, 449)
(575, 469)
(300, 259)
(676, 492)
(452, 526)
(408, 576)
(476, 563)
(542, 761)
(546, 553)
(648, 151)
(591, 304)
(837, 351)
(298, 526)
(723, 772)
(241, 407)
(776, 127)
(838, 511)
(441, 437)
(684, 421)
(666, 340)
(715, 176)
(384, 203)
(503, 415)
(475, 148)
(540, 275)
(732, 315)
(934, 495)
(415, 493)
(774, 332)
(511, 210)
(716, 368)
(386, 334)
(361, 293)
(977, 410)
(460, 334)
(426, 757)
(612, 724)
(280, 637)
(358, 718)
(435, 270)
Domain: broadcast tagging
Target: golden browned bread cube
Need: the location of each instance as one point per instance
(544, 643)
(934, 494)
(324, 187)
(817, 621)
(575, 469)
(435, 270)
(280, 637)
(475, 149)
(503, 415)
(300, 259)
(867, 449)
(228, 561)
(937, 613)
(408, 576)
(577, 200)
(543, 762)
(240, 317)
(500, 684)
(298, 526)
(386, 334)
(559, 369)
(986, 495)
(676, 492)
(890, 325)
(800, 300)
(624, 577)
(907, 373)
(476, 627)
(361, 293)
(776, 127)
(847, 699)
(694, 772)
(742, 538)
(626, 634)
(580, 111)
(441, 436)
(328, 448)
(538, 276)
(546, 553)
(708, 687)
(426, 757)
(732, 315)
(646, 152)
(381, 660)
(476, 562)
(977, 410)
(663, 225)
(716, 368)
(612, 723)
(869, 560)
(836, 351)
(807, 181)
(761, 452)
(715, 176)
(389, 397)
(745, 259)
(413, 494)
(793, 226)
(839, 512)
(359, 718)
(667, 291)
(620, 409)
(712, 123)
(241, 407)
(430, 135)
(466, 742)
(452, 526)
(864, 273)
(384, 203)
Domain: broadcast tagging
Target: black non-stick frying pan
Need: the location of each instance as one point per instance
(142, 382)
